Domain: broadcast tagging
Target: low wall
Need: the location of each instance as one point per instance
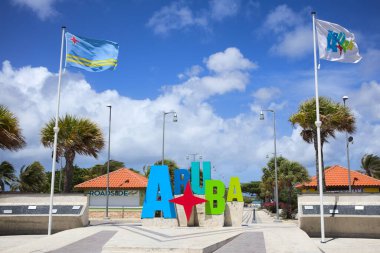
(345, 214)
(29, 213)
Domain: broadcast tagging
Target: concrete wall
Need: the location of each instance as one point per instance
(24, 221)
(345, 214)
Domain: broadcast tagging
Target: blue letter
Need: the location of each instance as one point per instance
(179, 181)
(195, 177)
(158, 185)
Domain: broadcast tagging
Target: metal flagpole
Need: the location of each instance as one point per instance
(56, 130)
(108, 162)
(318, 123)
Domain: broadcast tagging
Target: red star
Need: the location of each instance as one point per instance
(74, 40)
(340, 49)
(188, 200)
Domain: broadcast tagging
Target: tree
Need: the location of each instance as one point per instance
(268, 179)
(289, 174)
(334, 117)
(10, 132)
(172, 165)
(7, 175)
(251, 188)
(76, 136)
(101, 169)
(32, 179)
(370, 163)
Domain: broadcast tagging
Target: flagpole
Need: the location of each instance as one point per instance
(56, 130)
(318, 123)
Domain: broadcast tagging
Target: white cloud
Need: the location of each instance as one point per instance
(229, 60)
(281, 19)
(176, 16)
(221, 9)
(179, 16)
(43, 8)
(191, 72)
(292, 36)
(266, 93)
(295, 43)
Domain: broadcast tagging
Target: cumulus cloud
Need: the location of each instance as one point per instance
(221, 9)
(293, 37)
(43, 8)
(266, 93)
(178, 15)
(175, 16)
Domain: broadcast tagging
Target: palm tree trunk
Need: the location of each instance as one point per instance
(68, 180)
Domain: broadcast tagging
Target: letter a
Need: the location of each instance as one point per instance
(158, 183)
(234, 191)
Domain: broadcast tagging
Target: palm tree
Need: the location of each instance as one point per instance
(7, 175)
(32, 179)
(76, 136)
(371, 165)
(334, 117)
(10, 132)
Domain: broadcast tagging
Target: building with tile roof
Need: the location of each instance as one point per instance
(126, 189)
(337, 181)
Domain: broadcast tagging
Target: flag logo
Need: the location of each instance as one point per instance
(336, 43)
(90, 54)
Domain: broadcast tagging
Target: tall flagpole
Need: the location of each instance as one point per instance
(318, 123)
(56, 130)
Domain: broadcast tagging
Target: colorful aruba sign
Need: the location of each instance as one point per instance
(159, 195)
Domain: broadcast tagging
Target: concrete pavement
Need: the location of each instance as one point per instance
(112, 236)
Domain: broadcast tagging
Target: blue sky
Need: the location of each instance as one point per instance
(216, 63)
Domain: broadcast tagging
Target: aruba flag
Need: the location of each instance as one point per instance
(90, 54)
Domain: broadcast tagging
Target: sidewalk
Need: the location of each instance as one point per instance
(265, 236)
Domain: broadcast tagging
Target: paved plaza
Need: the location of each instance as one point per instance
(260, 236)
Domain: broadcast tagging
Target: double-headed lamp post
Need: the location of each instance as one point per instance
(348, 140)
(163, 132)
(275, 156)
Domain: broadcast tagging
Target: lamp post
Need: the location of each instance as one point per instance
(163, 132)
(108, 161)
(194, 156)
(348, 140)
(275, 156)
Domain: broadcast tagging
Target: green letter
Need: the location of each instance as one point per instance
(215, 197)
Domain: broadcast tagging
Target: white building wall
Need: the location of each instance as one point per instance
(121, 198)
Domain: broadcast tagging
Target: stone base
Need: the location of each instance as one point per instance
(159, 222)
(233, 214)
(214, 221)
(181, 215)
(199, 213)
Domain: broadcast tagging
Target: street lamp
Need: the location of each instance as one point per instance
(275, 156)
(194, 156)
(108, 161)
(348, 140)
(175, 119)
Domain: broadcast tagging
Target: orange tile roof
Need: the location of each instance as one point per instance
(338, 176)
(119, 179)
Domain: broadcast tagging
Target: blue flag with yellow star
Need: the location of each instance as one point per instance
(90, 54)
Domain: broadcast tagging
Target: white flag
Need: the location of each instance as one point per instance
(336, 43)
